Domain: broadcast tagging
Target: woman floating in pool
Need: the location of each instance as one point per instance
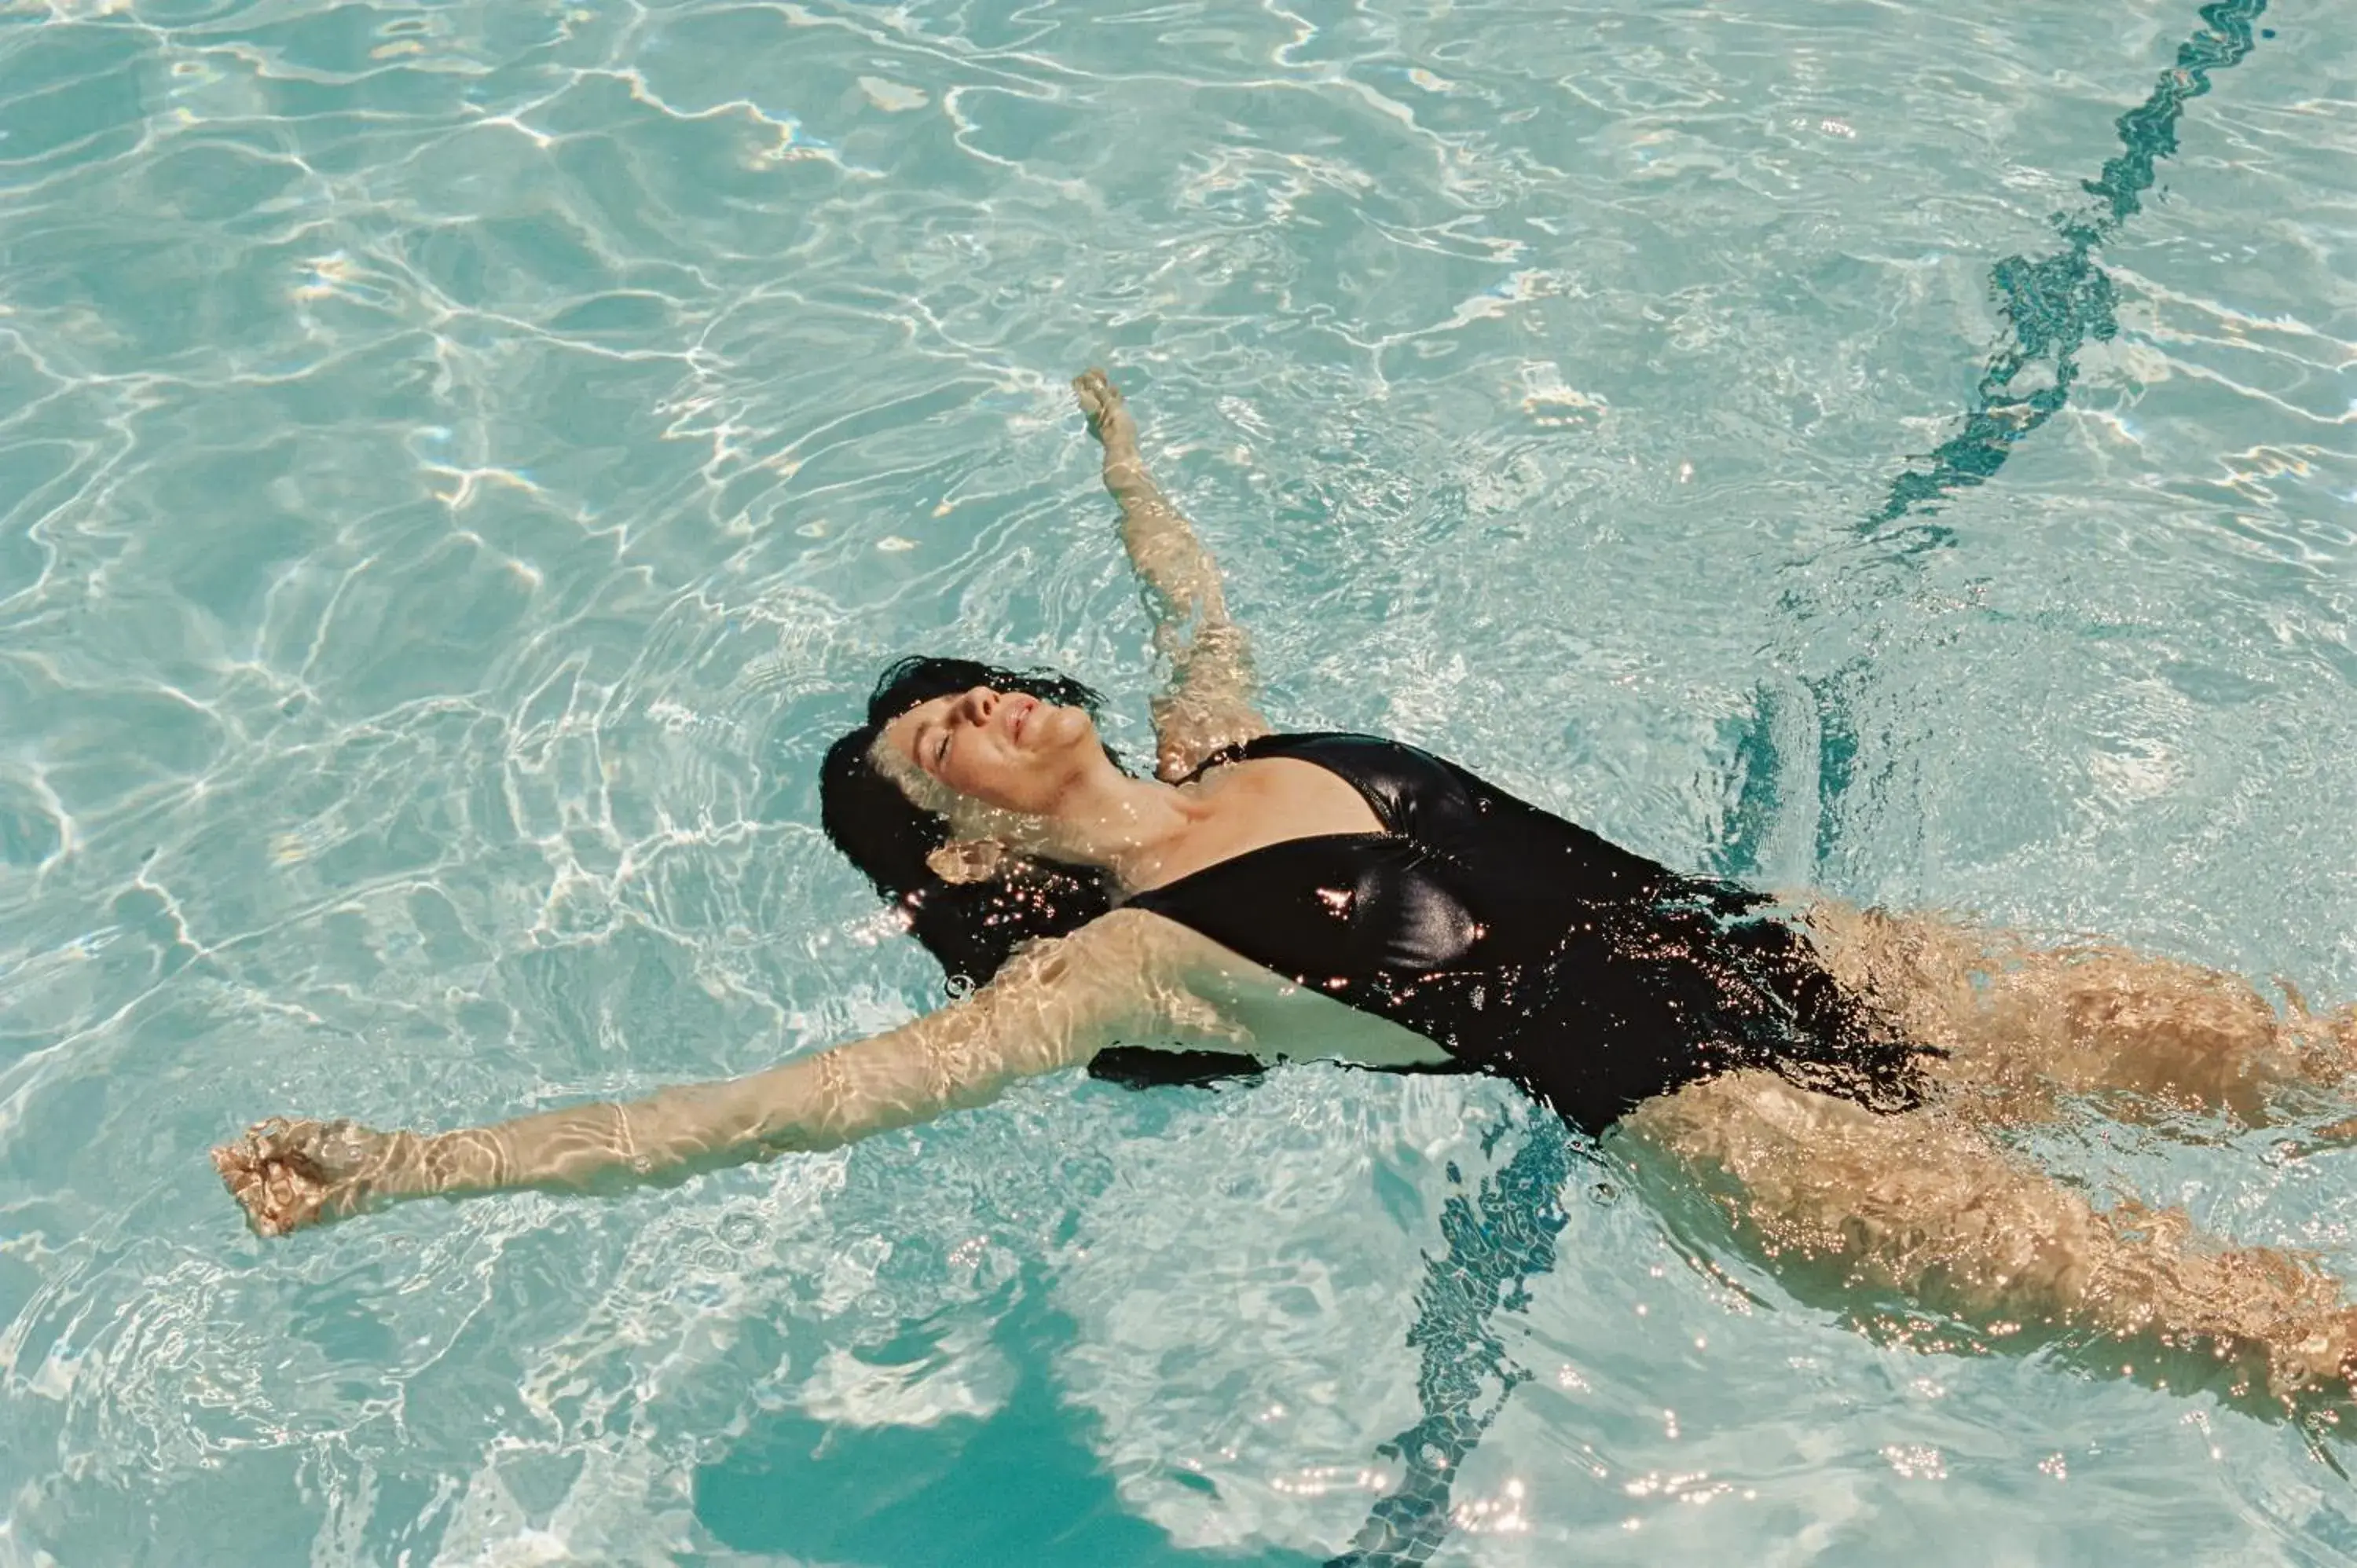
(1829, 1077)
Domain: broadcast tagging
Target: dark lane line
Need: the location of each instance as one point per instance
(1491, 1246)
(2055, 304)
(2052, 306)
(1506, 1236)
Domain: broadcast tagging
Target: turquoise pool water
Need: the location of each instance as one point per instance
(459, 464)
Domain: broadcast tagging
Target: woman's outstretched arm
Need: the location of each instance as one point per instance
(1053, 1006)
(1210, 703)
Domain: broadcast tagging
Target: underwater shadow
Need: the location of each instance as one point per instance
(1021, 1488)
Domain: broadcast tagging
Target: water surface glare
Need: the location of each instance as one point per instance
(459, 464)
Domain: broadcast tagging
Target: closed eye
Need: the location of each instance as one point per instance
(942, 747)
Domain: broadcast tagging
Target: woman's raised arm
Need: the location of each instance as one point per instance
(1209, 701)
(1055, 1005)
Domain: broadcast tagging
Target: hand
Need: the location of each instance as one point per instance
(288, 1175)
(1109, 419)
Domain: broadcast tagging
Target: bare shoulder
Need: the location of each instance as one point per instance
(1123, 952)
(1126, 970)
(1170, 958)
(1121, 941)
(1138, 951)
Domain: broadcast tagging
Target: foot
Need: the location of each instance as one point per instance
(1109, 419)
(288, 1175)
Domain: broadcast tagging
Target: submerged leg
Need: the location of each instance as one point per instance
(1867, 1213)
(2023, 1023)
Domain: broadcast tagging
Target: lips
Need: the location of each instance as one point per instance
(1019, 713)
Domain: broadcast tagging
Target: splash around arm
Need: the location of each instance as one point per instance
(1054, 1007)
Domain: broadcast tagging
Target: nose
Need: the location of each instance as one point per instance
(978, 704)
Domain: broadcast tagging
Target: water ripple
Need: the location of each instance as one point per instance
(459, 464)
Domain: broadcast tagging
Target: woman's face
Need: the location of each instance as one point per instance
(1004, 751)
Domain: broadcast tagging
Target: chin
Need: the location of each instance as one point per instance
(1067, 729)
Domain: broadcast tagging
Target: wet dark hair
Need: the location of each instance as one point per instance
(972, 928)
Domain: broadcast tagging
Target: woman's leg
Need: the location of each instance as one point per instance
(2022, 1024)
(1861, 1212)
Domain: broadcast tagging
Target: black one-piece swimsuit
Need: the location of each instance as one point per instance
(1524, 945)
